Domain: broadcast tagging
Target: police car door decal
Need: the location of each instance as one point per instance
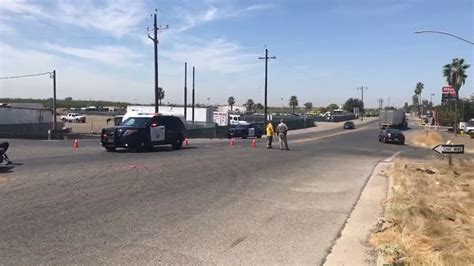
(251, 132)
(157, 133)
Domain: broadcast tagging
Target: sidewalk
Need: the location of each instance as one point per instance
(352, 247)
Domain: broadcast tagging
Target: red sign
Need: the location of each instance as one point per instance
(449, 90)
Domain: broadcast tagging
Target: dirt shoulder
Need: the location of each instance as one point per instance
(429, 139)
(428, 217)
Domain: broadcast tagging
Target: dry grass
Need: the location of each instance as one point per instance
(429, 139)
(430, 217)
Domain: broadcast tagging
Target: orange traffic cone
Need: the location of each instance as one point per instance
(254, 143)
(186, 141)
(75, 145)
(232, 142)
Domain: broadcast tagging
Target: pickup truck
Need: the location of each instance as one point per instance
(73, 117)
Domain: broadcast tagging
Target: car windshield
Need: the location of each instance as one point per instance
(136, 121)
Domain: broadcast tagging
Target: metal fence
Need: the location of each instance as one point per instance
(212, 130)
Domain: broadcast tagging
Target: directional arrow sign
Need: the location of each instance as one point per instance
(449, 149)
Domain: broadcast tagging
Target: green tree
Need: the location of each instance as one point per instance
(455, 74)
(231, 102)
(406, 107)
(414, 99)
(68, 99)
(353, 102)
(249, 105)
(418, 90)
(293, 102)
(161, 94)
(308, 106)
(332, 107)
(259, 106)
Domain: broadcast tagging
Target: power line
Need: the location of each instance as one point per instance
(26, 76)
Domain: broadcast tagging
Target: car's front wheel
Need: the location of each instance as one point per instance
(178, 144)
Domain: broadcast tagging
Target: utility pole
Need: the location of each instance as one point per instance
(185, 90)
(193, 97)
(266, 81)
(53, 76)
(155, 40)
(362, 96)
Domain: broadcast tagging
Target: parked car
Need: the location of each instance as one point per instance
(349, 125)
(73, 117)
(245, 131)
(469, 127)
(143, 132)
(390, 135)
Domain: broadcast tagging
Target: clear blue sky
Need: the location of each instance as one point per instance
(324, 49)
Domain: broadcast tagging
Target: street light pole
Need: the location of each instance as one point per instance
(445, 33)
(456, 100)
(55, 118)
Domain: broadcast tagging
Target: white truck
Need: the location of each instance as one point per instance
(469, 127)
(224, 119)
(73, 117)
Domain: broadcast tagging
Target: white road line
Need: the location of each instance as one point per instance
(392, 157)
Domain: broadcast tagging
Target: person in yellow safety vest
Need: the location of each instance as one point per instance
(270, 133)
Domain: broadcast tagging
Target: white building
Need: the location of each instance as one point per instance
(200, 114)
(235, 108)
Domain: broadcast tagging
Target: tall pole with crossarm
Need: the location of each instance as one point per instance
(155, 40)
(266, 81)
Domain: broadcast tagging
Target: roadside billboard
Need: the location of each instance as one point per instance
(448, 93)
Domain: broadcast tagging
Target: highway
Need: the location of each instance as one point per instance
(206, 204)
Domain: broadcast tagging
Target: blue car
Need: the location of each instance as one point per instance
(245, 131)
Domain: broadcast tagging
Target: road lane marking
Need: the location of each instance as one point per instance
(389, 159)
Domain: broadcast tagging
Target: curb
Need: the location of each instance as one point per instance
(352, 247)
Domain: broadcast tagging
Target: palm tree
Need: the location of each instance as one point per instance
(455, 74)
(418, 89)
(293, 102)
(161, 94)
(231, 102)
(249, 104)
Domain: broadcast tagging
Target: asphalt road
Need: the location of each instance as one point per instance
(206, 204)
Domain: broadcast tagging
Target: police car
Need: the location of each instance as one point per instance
(142, 131)
(245, 131)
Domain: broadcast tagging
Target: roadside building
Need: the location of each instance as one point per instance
(17, 121)
(201, 114)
